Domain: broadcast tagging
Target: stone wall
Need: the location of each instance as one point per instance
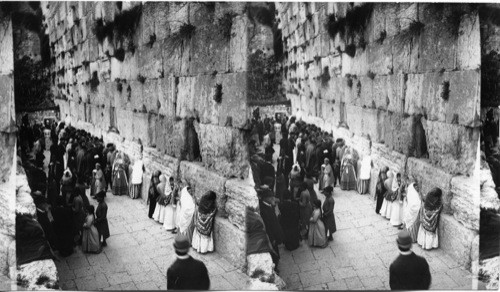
(7, 157)
(414, 66)
(181, 62)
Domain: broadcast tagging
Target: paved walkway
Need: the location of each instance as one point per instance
(364, 246)
(138, 255)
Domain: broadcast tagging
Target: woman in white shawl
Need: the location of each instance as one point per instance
(364, 175)
(136, 180)
(396, 199)
(412, 211)
(171, 205)
(185, 214)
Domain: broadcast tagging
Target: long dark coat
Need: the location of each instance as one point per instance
(328, 215)
(101, 220)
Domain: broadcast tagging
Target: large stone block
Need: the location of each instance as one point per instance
(230, 242)
(234, 100)
(150, 61)
(7, 110)
(465, 200)
(5, 254)
(456, 239)
(469, 43)
(6, 47)
(425, 96)
(171, 54)
(151, 95)
(240, 194)
(167, 95)
(452, 147)
(224, 149)
(8, 203)
(363, 122)
(238, 52)
(380, 58)
(397, 132)
(203, 180)
(429, 177)
(209, 51)
(383, 156)
(437, 48)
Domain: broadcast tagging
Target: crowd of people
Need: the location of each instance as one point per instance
(58, 189)
(289, 206)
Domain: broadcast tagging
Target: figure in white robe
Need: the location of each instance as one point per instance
(411, 211)
(171, 207)
(396, 217)
(185, 214)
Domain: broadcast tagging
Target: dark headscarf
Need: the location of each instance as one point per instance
(433, 200)
(207, 203)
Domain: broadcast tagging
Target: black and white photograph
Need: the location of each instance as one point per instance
(249, 145)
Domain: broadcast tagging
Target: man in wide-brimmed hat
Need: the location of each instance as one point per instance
(268, 214)
(186, 273)
(409, 271)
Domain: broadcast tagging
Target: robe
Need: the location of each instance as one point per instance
(185, 213)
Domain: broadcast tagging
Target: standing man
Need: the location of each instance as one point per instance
(409, 271)
(186, 273)
(268, 214)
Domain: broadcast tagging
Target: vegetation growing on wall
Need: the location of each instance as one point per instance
(352, 24)
(225, 24)
(185, 33)
(31, 83)
(263, 78)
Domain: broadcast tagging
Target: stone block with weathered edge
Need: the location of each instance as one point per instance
(437, 48)
(240, 194)
(429, 177)
(230, 242)
(383, 156)
(452, 147)
(397, 132)
(7, 111)
(465, 200)
(224, 149)
(203, 180)
(456, 104)
(456, 239)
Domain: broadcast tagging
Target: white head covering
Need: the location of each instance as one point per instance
(366, 165)
(395, 184)
(413, 205)
(137, 172)
(186, 212)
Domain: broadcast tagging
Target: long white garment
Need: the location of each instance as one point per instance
(412, 207)
(396, 206)
(170, 210)
(366, 166)
(186, 211)
(137, 172)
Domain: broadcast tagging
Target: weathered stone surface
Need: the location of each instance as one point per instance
(469, 40)
(437, 48)
(429, 177)
(489, 197)
(452, 147)
(425, 96)
(397, 132)
(256, 284)
(230, 242)
(150, 61)
(209, 52)
(5, 242)
(382, 156)
(465, 201)
(7, 150)
(31, 272)
(6, 46)
(7, 111)
(238, 56)
(202, 180)
(240, 195)
(456, 239)
(262, 264)
(224, 150)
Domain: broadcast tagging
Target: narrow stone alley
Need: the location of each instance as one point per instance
(137, 257)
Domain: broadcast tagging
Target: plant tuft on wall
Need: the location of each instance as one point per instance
(381, 37)
(94, 81)
(225, 24)
(185, 33)
(141, 78)
(103, 30)
(119, 87)
(129, 93)
(445, 90)
(152, 40)
(120, 54)
(131, 47)
(218, 93)
(325, 77)
(350, 50)
(370, 75)
(349, 80)
(127, 22)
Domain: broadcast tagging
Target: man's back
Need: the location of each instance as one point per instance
(186, 274)
(409, 272)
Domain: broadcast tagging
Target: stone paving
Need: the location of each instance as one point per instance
(359, 257)
(138, 255)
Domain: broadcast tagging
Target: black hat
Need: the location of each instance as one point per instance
(101, 194)
(328, 189)
(181, 243)
(404, 239)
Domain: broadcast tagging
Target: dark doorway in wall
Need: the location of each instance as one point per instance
(419, 138)
(192, 147)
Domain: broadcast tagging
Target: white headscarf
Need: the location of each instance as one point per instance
(186, 212)
(366, 165)
(137, 172)
(395, 184)
(413, 206)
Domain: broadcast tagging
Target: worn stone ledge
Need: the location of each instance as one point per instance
(465, 200)
(240, 194)
(456, 240)
(230, 242)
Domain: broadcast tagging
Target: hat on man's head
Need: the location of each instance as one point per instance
(404, 239)
(101, 194)
(328, 189)
(181, 243)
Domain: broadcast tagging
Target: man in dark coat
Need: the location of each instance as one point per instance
(186, 273)
(409, 271)
(268, 214)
